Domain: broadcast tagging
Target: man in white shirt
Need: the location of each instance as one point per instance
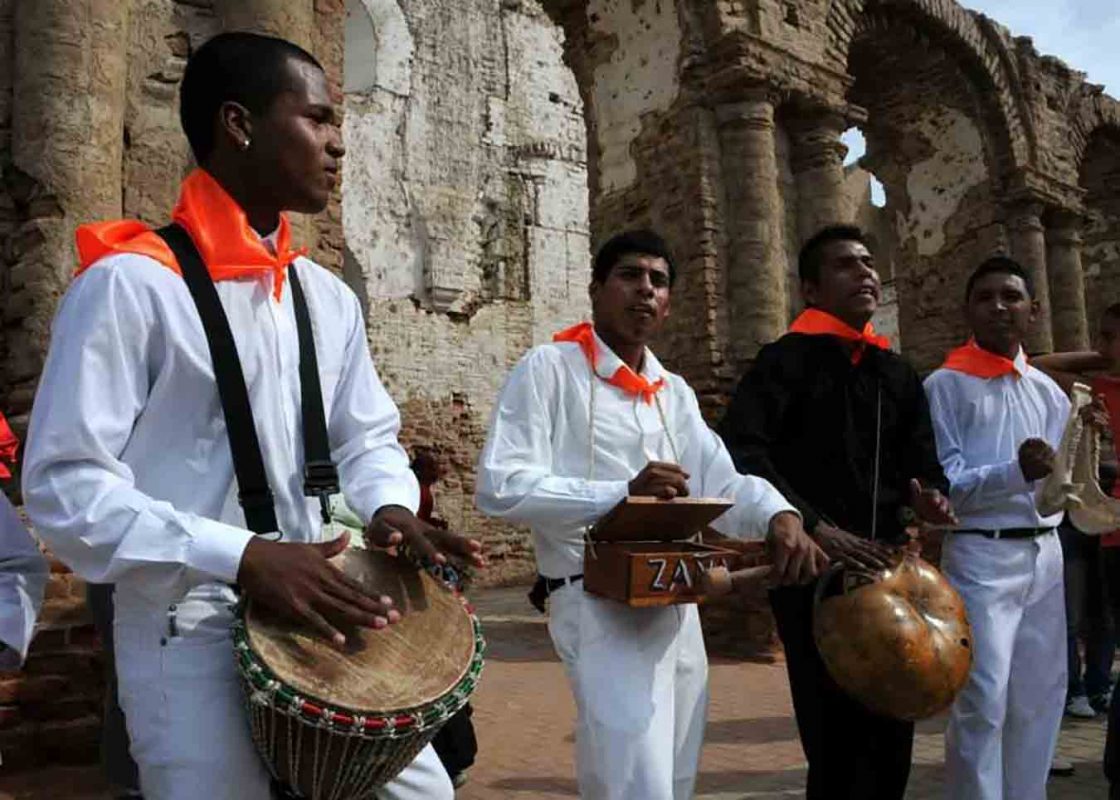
(581, 424)
(23, 578)
(23, 570)
(997, 421)
(129, 475)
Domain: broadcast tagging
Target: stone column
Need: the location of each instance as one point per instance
(67, 143)
(1067, 282)
(1028, 247)
(817, 161)
(293, 20)
(756, 269)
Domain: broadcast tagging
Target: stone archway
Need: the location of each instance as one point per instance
(938, 140)
(1100, 229)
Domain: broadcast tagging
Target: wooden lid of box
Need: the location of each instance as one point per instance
(637, 519)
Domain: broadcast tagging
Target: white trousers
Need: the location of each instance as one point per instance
(640, 680)
(1004, 725)
(189, 730)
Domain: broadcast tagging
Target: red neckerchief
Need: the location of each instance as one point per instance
(972, 359)
(624, 378)
(814, 322)
(9, 444)
(229, 246)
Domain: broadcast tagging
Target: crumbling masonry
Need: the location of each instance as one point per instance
(493, 142)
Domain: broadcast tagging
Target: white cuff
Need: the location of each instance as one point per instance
(216, 548)
(607, 494)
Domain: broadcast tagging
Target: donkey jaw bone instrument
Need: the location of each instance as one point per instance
(1072, 486)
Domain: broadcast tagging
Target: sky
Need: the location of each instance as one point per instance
(1083, 33)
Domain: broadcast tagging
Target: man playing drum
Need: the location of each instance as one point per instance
(129, 476)
(581, 424)
(824, 411)
(997, 421)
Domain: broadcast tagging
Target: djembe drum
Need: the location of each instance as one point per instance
(335, 724)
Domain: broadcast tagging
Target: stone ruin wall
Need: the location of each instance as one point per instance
(492, 143)
(465, 211)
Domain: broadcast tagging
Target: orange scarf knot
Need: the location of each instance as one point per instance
(9, 444)
(229, 246)
(624, 378)
(814, 322)
(972, 359)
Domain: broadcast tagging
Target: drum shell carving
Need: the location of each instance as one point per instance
(900, 644)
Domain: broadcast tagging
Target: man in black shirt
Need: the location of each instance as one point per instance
(816, 411)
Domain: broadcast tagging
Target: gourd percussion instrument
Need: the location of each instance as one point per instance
(896, 640)
(334, 724)
(1072, 485)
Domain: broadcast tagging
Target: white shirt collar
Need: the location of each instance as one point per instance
(609, 362)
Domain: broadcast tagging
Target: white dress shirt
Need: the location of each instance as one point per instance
(23, 577)
(979, 424)
(128, 475)
(536, 467)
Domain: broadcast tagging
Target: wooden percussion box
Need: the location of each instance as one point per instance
(638, 553)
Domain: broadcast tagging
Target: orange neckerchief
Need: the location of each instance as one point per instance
(814, 322)
(9, 444)
(229, 247)
(972, 359)
(624, 378)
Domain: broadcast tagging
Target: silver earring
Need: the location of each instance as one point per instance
(244, 144)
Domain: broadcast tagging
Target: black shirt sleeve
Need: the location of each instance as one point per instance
(755, 418)
(919, 448)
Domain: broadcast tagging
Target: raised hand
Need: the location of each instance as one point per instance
(930, 505)
(1036, 459)
(395, 527)
(298, 582)
(660, 479)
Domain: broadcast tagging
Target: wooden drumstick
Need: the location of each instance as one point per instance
(719, 581)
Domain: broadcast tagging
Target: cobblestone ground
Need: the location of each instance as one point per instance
(524, 719)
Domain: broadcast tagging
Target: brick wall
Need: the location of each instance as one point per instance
(50, 711)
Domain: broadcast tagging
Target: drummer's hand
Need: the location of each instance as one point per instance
(797, 558)
(851, 550)
(932, 506)
(397, 527)
(298, 582)
(660, 479)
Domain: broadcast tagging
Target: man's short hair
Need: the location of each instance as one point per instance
(999, 265)
(239, 67)
(643, 242)
(1112, 312)
(811, 257)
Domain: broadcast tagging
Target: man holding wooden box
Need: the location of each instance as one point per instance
(581, 424)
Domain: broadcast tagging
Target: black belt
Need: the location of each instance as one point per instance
(1009, 533)
(546, 586)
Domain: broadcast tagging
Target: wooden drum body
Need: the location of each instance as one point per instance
(334, 723)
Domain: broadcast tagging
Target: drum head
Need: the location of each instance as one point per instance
(400, 667)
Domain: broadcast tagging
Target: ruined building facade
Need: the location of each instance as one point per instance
(491, 143)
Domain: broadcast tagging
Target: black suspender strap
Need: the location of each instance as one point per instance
(254, 493)
(320, 477)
